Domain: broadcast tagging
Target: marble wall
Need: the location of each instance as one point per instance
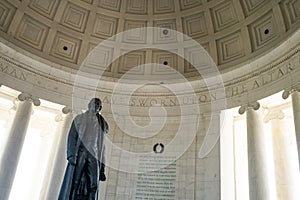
(135, 171)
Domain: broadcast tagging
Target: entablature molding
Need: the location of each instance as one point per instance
(282, 73)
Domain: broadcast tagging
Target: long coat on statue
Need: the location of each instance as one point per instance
(74, 141)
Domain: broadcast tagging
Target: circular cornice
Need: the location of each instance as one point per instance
(63, 33)
(275, 71)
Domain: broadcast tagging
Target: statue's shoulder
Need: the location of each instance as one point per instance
(79, 117)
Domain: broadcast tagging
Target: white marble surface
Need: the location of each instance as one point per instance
(296, 111)
(12, 151)
(208, 185)
(59, 160)
(257, 158)
(285, 155)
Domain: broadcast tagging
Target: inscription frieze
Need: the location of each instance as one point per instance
(204, 97)
(234, 88)
(13, 72)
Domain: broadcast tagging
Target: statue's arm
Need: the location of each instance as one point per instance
(106, 127)
(102, 176)
(106, 130)
(102, 160)
(72, 141)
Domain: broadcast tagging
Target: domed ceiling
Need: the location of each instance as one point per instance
(64, 32)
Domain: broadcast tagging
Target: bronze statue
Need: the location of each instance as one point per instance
(85, 155)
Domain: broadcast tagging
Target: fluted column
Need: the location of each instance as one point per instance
(295, 93)
(257, 158)
(284, 153)
(13, 148)
(59, 161)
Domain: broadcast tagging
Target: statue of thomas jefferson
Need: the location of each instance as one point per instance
(85, 155)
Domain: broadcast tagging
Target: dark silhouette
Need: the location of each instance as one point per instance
(85, 154)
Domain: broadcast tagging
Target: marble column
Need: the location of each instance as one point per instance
(257, 158)
(295, 93)
(13, 148)
(284, 153)
(208, 186)
(60, 161)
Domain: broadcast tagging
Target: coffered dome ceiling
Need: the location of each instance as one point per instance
(64, 32)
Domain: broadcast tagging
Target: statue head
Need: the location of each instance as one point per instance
(95, 105)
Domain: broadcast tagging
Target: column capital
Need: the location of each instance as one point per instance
(286, 93)
(66, 110)
(253, 105)
(25, 97)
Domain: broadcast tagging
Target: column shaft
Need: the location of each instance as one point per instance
(257, 160)
(13, 148)
(60, 161)
(296, 111)
(284, 156)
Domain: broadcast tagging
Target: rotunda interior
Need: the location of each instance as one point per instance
(201, 96)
